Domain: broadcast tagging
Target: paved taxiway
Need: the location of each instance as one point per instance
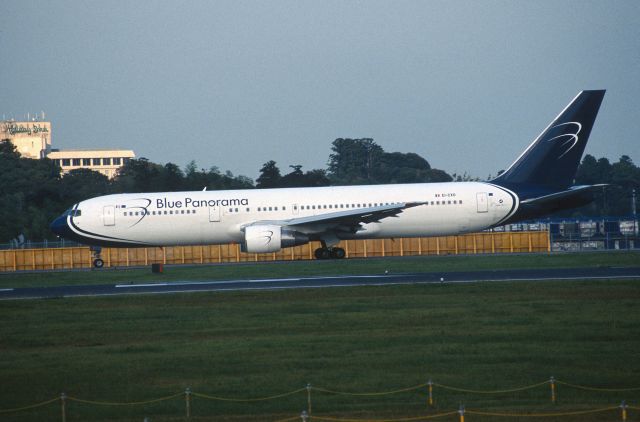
(160, 287)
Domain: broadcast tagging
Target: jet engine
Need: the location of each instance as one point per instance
(270, 238)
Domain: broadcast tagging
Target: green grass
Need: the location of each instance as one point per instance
(319, 268)
(238, 344)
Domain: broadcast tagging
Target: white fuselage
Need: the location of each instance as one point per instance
(218, 217)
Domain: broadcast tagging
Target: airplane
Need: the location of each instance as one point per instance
(539, 182)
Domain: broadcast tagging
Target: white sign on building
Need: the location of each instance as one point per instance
(31, 138)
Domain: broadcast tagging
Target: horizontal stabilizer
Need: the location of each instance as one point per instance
(574, 192)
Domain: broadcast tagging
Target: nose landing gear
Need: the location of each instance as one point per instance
(97, 260)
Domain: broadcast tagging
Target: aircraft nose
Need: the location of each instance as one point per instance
(60, 227)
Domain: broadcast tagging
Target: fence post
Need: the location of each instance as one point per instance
(430, 384)
(309, 399)
(187, 399)
(623, 408)
(552, 383)
(63, 405)
(461, 412)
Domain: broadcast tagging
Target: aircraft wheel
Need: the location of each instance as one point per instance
(98, 263)
(322, 253)
(337, 253)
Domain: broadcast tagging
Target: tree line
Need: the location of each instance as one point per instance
(33, 193)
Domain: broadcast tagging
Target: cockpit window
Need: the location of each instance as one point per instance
(72, 212)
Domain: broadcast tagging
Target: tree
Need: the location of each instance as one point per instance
(353, 161)
(80, 184)
(139, 175)
(269, 175)
(297, 179)
(172, 179)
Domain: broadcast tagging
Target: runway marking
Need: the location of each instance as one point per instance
(120, 286)
(196, 283)
(6, 290)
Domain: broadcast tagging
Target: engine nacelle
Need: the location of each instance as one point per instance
(270, 238)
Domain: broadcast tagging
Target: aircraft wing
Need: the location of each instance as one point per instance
(348, 220)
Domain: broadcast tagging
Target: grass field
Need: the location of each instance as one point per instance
(487, 336)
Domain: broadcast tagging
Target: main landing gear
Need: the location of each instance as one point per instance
(97, 260)
(329, 253)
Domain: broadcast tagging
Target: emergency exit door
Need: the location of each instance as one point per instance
(483, 203)
(214, 214)
(109, 215)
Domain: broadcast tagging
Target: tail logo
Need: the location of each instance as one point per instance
(569, 139)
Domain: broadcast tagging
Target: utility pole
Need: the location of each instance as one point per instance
(633, 211)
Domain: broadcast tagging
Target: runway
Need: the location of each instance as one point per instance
(160, 287)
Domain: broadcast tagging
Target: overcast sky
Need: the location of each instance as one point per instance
(233, 84)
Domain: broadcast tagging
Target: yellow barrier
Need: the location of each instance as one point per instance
(307, 416)
(80, 257)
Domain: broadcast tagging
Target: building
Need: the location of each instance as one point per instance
(105, 161)
(31, 138)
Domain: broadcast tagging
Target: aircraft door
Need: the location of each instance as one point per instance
(483, 203)
(294, 209)
(214, 214)
(109, 215)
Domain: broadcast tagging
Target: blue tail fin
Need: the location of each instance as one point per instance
(552, 159)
